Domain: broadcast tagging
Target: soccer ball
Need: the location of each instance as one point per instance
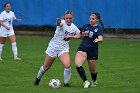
(55, 83)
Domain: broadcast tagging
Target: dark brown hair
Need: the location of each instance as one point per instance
(97, 14)
(99, 17)
(6, 4)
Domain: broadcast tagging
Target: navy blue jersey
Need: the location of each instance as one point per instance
(87, 45)
(94, 32)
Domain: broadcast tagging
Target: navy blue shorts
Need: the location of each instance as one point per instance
(92, 54)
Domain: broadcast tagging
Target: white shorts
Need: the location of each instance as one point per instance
(54, 52)
(6, 33)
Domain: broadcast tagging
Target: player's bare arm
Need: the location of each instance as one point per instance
(99, 39)
(17, 20)
(1, 23)
(73, 36)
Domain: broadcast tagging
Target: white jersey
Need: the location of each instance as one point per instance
(7, 18)
(58, 41)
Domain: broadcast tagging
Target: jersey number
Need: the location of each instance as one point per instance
(91, 34)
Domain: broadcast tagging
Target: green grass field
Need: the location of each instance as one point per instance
(118, 68)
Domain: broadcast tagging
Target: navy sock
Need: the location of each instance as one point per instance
(94, 76)
(81, 72)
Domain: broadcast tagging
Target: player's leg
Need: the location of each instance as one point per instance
(47, 64)
(14, 47)
(49, 59)
(65, 59)
(79, 60)
(2, 42)
(92, 69)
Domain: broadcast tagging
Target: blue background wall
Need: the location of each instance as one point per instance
(114, 13)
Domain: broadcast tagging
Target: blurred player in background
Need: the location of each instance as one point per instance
(6, 30)
(92, 34)
(59, 46)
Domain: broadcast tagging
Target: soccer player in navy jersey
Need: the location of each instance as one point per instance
(88, 49)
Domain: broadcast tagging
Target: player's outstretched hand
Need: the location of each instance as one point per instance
(58, 21)
(17, 20)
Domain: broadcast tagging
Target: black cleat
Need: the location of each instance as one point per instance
(36, 82)
(66, 85)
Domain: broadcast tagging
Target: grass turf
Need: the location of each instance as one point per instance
(118, 67)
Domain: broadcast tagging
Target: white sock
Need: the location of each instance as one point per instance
(1, 49)
(40, 72)
(14, 49)
(67, 75)
(86, 81)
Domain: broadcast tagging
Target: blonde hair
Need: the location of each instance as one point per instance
(69, 12)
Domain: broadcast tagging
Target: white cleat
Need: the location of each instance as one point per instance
(94, 83)
(0, 59)
(86, 84)
(18, 59)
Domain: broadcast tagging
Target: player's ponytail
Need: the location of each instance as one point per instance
(99, 18)
(101, 24)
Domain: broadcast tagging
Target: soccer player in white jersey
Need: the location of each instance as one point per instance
(6, 29)
(59, 47)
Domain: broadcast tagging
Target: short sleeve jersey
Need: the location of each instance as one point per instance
(58, 41)
(7, 18)
(94, 32)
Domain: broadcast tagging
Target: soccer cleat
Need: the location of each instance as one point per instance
(86, 84)
(94, 83)
(36, 82)
(17, 59)
(67, 85)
